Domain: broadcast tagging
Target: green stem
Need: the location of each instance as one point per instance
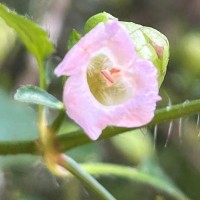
(73, 139)
(58, 121)
(19, 147)
(134, 175)
(42, 84)
(73, 167)
(42, 81)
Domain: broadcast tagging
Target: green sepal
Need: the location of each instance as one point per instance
(74, 37)
(96, 19)
(35, 95)
(150, 44)
(160, 44)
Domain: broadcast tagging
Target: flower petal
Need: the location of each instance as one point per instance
(83, 108)
(139, 110)
(110, 35)
(93, 117)
(137, 77)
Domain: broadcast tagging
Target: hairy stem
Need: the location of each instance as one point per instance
(73, 139)
(77, 138)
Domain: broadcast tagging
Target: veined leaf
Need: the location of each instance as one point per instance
(35, 95)
(32, 36)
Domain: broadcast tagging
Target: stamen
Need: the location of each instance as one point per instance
(114, 70)
(106, 82)
(110, 75)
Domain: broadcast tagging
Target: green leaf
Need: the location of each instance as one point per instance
(17, 121)
(74, 37)
(135, 175)
(8, 40)
(35, 95)
(32, 36)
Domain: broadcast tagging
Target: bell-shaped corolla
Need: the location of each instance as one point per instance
(109, 84)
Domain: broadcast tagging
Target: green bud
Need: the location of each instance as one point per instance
(96, 19)
(74, 36)
(150, 44)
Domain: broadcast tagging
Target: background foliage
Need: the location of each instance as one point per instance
(173, 158)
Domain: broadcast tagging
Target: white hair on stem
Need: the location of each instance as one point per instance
(155, 136)
(180, 129)
(169, 133)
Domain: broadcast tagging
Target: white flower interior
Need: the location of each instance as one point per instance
(108, 83)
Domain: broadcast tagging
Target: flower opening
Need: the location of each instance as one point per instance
(109, 83)
(106, 81)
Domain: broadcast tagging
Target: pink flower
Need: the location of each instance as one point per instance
(109, 84)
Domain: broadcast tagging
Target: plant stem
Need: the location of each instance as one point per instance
(77, 138)
(19, 147)
(42, 84)
(73, 167)
(58, 121)
(42, 80)
(135, 175)
(73, 139)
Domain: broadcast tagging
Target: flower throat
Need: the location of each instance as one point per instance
(106, 81)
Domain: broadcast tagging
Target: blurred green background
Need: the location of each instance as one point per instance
(176, 152)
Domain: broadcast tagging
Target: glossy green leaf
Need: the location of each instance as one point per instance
(135, 175)
(74, 37)
(35, 95)
(32, 36)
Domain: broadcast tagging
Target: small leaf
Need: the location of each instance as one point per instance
(35, 95)
(32, 36)
(74, 37)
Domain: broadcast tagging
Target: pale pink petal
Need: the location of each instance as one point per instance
(83, 108)
(93, 117)
(137, 76)
(139, 110)
(104, 36)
